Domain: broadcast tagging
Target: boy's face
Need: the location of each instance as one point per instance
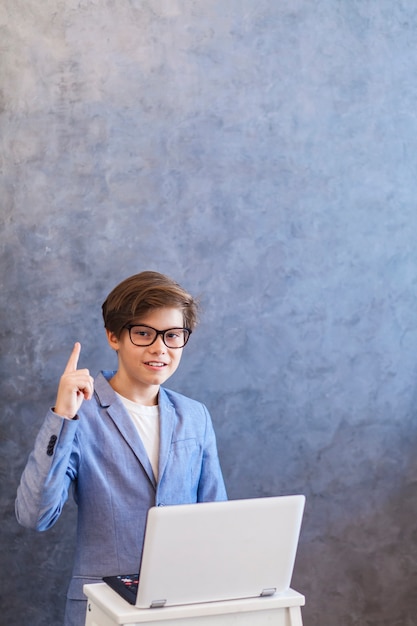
(142, 368)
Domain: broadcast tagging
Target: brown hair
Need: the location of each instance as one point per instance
(142, 292)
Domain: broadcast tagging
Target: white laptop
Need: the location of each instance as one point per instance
(215, 551)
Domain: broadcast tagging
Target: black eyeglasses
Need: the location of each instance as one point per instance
(146, 335)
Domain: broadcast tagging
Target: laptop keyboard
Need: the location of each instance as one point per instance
(130, 583)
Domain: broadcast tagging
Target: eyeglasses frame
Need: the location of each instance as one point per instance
(158, 332)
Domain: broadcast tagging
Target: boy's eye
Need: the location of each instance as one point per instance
(142, 332)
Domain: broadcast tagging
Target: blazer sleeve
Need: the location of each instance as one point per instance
(51, 466)
(211, 486)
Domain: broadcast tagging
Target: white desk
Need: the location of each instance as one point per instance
(106, 608)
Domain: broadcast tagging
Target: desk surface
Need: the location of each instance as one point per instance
(123, 613)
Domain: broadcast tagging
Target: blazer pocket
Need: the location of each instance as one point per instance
(185, 464)
(75, 589)
(184, 448)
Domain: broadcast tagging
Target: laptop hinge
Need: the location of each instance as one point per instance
(157, 604)
(268, 592)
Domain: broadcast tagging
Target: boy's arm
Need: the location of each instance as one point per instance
(53, 463)
(211, 486)
(51, 467)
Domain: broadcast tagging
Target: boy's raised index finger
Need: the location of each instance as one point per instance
(72, 363)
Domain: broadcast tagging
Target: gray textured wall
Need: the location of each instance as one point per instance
(264, 154)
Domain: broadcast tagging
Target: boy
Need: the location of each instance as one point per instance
(123, 442)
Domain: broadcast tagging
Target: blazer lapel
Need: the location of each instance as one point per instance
(124, 423)
(166, 428)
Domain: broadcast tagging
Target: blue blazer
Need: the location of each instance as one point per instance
(102, 457)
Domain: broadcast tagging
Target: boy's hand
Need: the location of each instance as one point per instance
(74, 386)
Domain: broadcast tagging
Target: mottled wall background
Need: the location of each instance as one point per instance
(264, 154)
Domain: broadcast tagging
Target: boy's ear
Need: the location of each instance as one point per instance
(112, 339)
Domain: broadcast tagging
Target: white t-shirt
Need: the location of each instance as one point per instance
(146, 420)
